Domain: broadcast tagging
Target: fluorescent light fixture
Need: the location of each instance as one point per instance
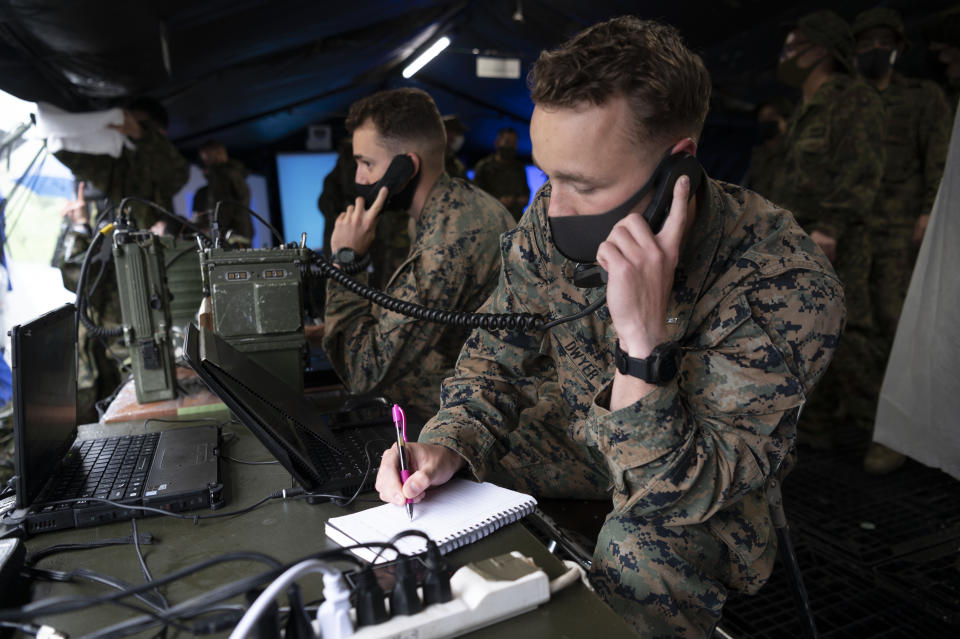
(426, 56)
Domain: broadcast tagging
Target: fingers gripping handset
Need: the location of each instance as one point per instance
(397, 176)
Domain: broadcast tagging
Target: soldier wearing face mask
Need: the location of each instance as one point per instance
(918, 131)
(767, 156)
(831, 174)
(503, 176)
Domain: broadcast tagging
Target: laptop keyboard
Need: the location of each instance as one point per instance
(113, 468)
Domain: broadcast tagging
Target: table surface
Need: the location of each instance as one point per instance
(286, 530)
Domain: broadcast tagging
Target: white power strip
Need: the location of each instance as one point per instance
(483, 593)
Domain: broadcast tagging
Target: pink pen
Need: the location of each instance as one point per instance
(399, 420)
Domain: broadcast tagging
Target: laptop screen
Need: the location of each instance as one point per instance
(44, 355)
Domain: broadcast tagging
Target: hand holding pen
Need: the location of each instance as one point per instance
(399, 421)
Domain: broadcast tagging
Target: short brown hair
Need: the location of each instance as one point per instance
(401, 117)
(666, 84)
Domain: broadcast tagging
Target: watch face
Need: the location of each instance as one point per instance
(346, 255)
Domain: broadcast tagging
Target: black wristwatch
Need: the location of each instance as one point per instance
(657, 368)
(350, 262)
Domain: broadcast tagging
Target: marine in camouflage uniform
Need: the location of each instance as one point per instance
(154, 170)
(759, 312)
(452, 264)
(767, 156)
(503, 176)
(918, 133)
(830, 180)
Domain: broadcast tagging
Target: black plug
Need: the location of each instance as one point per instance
(298, 624)
(436, 584)
(268, 625)
(404, 599)
(371, 605)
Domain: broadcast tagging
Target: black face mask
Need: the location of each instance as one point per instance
(769, 129)
(400, 181)
(875, 63)
(578, 237)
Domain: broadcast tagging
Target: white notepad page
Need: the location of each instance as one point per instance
(454, 514)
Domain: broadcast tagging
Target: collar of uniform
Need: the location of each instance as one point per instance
(697, 254)
(432, 205)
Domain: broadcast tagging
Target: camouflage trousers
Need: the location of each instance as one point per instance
(890, 273)
(667, 581)
(6, 443)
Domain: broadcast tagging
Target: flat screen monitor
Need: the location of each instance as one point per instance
(300, 180)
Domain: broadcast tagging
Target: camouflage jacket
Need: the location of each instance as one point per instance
(757, 310)
(452, 264)
(502, 178)
(154, 170)
(834, 157)
(918, 133)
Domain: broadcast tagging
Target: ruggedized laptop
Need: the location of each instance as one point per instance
(63, 482)
(330, 453)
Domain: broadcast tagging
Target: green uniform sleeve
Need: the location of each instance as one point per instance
(96, 169)
(687, 456)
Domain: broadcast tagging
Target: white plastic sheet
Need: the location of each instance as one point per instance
(919, 409)
(80, 132)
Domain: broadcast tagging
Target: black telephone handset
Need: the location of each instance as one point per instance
(671, 168)
(662, 181)
(399, 172)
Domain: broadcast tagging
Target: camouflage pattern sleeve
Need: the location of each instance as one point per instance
(157, 160)
(96, 169)
(74, 250)
(711, 438)
(934, 136)
(855, 166)
(497, 377)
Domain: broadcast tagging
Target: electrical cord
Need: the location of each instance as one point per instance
(523, 322)
(143, 563)
(58, 605)
(173, 216)
(82, 305)
(34, 557)
(260, 605)
(575, 572)
(90, 575)
(216, 218)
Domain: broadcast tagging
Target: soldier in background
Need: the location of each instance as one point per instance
(503, 176)
(227, 182)
(453, 262)
(153, 169)
(767, 157)
(455, 137)
(830, 179)
(918, 132)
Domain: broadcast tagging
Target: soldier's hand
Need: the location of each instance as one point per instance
(640, 268)
(130, 127)
(355, 227)
(76, 209)
(430, 464)
(919, 229)
(826, 243)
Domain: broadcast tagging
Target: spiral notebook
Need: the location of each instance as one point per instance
(453, 515)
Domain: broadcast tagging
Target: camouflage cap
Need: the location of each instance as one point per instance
(879, 17)
(830, 30)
